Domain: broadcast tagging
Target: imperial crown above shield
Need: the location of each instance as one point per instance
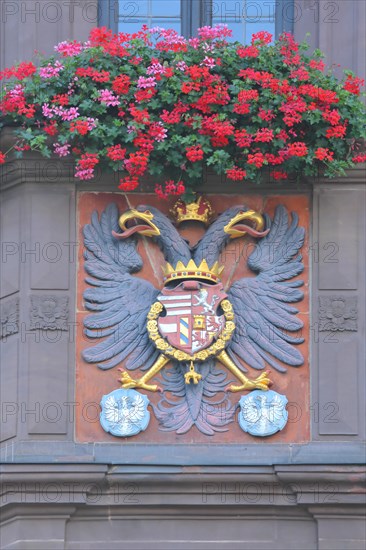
(193, 326)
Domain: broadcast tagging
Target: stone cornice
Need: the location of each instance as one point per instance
(176, 456)
(257, 486)
(34, 169)
(37, 170)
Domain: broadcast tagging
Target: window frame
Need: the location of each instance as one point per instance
(195, 14)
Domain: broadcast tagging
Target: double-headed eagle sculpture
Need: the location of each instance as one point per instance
(192, 327)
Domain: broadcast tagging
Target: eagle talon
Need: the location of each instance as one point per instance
(260, 383)
(129, 383)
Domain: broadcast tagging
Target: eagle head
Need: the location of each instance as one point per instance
(236, 228)
(137, 220)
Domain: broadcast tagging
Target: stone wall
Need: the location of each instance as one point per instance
(171, 493)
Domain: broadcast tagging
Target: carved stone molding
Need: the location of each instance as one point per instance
(337, 313)
(49, 312)
(9, 317)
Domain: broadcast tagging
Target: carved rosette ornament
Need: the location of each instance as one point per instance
(337, 313)
(192, 332)
(49, 312)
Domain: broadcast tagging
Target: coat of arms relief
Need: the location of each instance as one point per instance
(197, 344)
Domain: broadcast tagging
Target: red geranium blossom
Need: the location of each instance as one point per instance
(323, 153)
(338, 131)
(279, 175)
(258, 159)
(116, 152)
(353, 84)
(247, 51)
(136, 164)
(194, 153)
(264, 134)
(23, 70)
(155, 103)
(243, 138)
(297, 149)
(51, 128)
(128, 183)
(359, 158)
(121, 84)
(170, 188)
(235, 173)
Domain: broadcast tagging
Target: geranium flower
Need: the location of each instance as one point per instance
(194, 153)
(50, 71)
(62, 150)
(322, 153)
(153, 101)
(235, 173)
(69, 49)
(297, 149)
(107, 97)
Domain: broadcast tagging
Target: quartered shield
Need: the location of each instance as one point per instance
(190, 321)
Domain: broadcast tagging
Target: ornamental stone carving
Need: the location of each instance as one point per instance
(9, 316)
(49, 312)
(190, 336)
(337, 313)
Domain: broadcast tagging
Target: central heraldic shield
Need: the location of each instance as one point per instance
(190, 320)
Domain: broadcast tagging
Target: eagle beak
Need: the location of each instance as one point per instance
(237, 229)
(144, 224)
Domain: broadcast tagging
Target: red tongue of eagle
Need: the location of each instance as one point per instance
(130, 231)
(250, 230)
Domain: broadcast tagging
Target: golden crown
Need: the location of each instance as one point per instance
(199, 210)
(192, 271)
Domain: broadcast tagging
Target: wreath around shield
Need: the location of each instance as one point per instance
(179, 355)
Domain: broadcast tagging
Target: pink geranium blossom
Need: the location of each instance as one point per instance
(62, 150)
(87, 174)
(70, 114)
(69, 49)
(209, 62)
(155, 68)
(146, 82)
(47, 111)
(51, 70)
(218, 31)
(107, 97)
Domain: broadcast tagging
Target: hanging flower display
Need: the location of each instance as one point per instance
(156, 104)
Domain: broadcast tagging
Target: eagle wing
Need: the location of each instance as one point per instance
(263, 314)
(119, 300)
